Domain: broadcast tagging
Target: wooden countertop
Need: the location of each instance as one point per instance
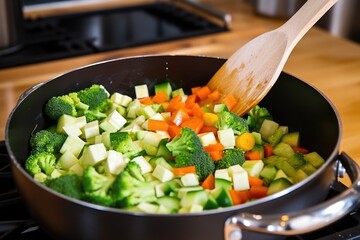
(329, 63)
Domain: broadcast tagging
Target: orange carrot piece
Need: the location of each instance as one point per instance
(258, 191)
(216, 155)
(268, 150)
(174, 130)
(229, 101)
(197, 111)
(214, 147)
(252, 155)
(146, 100)
(235, 197)
(245, 195)
(160, 97)
(203, 92)
(175, 104)
(209, 182)
(300, 150)
(157, 125)
(206, 129)
(193, 123)
(180, 171)
(190, 101)
(255, 181)
(214, 95)
(178, 116)
(195, 89)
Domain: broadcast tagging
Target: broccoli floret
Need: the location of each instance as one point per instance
(47, 141)
(188, 151)
(230, 158)
(129, 190)
(69, 184)
(228, 120)
(188, 141)
(55, 107)
(122, 142)
(96, 97)
(97, 187)
(40, 162)
(256, 116)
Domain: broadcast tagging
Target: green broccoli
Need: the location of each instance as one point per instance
(122, 142)
(47, 141)
(97, 187)
(68, 184)
(55, 107)
(129, 189)
(256, 116)
(228, 119)
(188, 151)
(96, 97)
(40, 162)
(230, 158)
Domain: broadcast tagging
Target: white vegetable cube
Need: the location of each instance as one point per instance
(73, 144)
(145, 166)
(147, 207)
(65, 120)
(113, 122)
(105, 139)
(67, 160)
(163, 134)
(190, 179)
(120, 99)
(207, 138)
(133, 108)
(162, 173)
(80, 121)
(91, 129)
(141, 91)
(240, 178)
(152, 139)
(115, 162)
(196, 208)
(94, 154)
(226, 137)
(77, 169)
(147, 111)
(159, 191)
(223, 174)
(57, 173)
(158, 116)
(72, 130)
(253, 167)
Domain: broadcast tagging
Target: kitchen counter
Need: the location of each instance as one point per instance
(329, 63)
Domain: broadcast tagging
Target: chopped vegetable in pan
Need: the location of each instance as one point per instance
(171, 152)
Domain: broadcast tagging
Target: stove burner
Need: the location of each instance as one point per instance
(16, 222)
(70, 35)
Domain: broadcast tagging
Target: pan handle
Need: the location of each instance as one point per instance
(302, 221)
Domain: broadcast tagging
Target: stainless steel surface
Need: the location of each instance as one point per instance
(276, 8)
(305, 220)
(11, 25)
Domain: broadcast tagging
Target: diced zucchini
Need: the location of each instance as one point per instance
(226, 137)
(73, 144)
(272, 160)
(113, 122)
(121, 99)
(268, 173)
(258, 139)
(181, 192)
(147, 207)
(77, 169)
(177, 92)
(283, 149)
(190, 179)
(253, 167)
(141, 91)
(299, 176)
(278, 185)
(169, 202)
(211, 203)
(115, 162)
(160, 161)
(194, 197)
(286, 167)
(292, 138)
(207, 138)
(259, 149)
(314, 159)
(296, 160)
(163, 151)
(72, 130)
(280, 174)
(268, 128)
(162, 173)
(308, 168)
(276, 137)
(152, 138)
(93, 154)
(164, 87)
(67, 159)
(145, 166)
(132, 108)
(91, 129)
(222, 197)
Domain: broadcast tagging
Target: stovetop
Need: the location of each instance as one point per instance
(70, 35)
(16, 222)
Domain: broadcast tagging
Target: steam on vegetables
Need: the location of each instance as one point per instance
(170, 152)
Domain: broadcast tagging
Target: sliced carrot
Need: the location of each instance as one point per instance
(205, 129)
(255, 181)
(214, 95)
(190, 101)
(160, 97)
(195, 89)
(214, 147)
(258, 191)
(216, 155)
(155, 125)
(197, 111)
(193, 123)
(235, 197)
(245, 141)
(174, 130)
(178, 116)
(146, 100)
(268, 150)
(209, 182)
(245, 195)
(175, 104)
(180, 171)
(300, 150)
(229, 101)
(210, 119)
(203, 92)
(253, 155)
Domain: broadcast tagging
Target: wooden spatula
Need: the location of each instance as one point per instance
(254, 68)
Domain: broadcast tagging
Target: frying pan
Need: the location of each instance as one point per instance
(291, 101)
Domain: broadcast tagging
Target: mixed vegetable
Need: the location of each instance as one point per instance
(171, 152)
